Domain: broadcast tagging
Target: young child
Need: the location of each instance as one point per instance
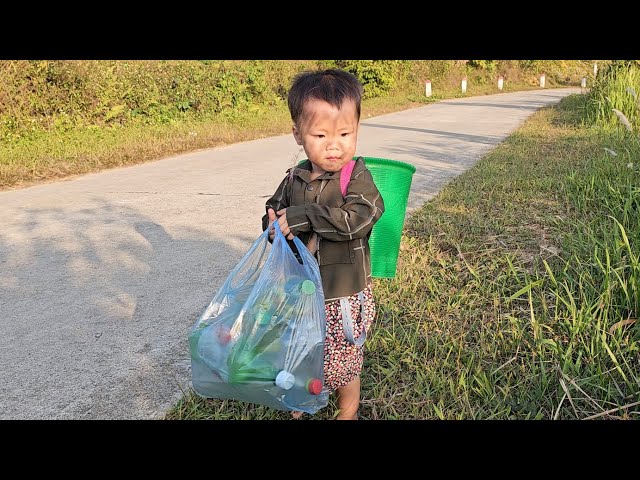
(325, 109)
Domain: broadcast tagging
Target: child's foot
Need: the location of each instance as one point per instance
(296, 415)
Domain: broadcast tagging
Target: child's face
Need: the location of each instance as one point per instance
(327, 134)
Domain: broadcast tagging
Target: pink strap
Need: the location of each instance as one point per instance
(345, 176)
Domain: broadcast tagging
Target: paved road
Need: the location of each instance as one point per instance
(103, 275)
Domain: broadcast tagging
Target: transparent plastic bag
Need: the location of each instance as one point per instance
(261, 339)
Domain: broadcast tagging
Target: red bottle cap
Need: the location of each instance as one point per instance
(224, 335)
(314, 386)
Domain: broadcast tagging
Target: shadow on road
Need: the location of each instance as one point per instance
(92, 354)
(461, 136)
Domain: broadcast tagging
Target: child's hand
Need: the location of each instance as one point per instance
(272, 216)
(284, 226)
(282, 221)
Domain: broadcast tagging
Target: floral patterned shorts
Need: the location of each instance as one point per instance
(343, 360)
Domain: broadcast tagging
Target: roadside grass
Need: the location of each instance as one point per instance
(516, 295)
(58, 155)
(616, 88)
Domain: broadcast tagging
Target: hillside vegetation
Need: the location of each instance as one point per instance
(60, 118)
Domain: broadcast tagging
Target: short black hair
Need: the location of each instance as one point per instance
(333, 86)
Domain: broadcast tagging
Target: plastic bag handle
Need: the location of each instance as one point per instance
(305, 255)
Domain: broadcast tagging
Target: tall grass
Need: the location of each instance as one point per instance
(521, 281)
(614, 90)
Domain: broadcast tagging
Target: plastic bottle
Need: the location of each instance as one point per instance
(305, 381)
(255, 358)
(281, 317)
(273, 302)
(226, 317)
(286, 319)
(263, 315)
(248, 366)
(286, 381)
(296, 287)
(210, 346)
(261, 358)
(293, 290)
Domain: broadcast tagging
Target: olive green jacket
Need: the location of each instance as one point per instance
(343, 225)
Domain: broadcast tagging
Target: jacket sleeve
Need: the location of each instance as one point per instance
(278, 201)
(355, 219)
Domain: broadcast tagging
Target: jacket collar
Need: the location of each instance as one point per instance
(303, 170)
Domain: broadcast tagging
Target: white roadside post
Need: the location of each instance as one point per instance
(542, 80)
(464, 84)
(595, 69)
(427, 88)
(500, 82)
(583, 84)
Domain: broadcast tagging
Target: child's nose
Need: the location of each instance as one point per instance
(334, 142)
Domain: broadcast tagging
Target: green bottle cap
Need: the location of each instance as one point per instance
(308, 287)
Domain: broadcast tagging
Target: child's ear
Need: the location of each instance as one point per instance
(296, 135)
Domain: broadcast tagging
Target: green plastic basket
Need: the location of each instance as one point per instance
(393, 179)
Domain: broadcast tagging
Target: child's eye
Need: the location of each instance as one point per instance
(320, 136)
(345, 134)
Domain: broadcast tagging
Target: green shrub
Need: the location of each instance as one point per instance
(378, 77)
(486, 65)
(40, 96)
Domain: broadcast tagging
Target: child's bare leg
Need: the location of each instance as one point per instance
(296, 415)
(349, 400)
